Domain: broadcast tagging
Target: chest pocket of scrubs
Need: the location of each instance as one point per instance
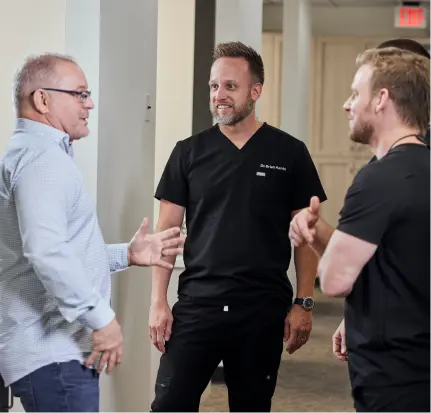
(268, 187)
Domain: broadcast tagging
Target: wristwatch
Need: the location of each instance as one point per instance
(307, 303)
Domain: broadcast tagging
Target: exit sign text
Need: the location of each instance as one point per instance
(411, 17)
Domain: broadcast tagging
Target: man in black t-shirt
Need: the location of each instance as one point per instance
(378, 257)
(239, 184)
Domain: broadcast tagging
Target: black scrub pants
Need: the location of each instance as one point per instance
(247, 336)
(413, 397)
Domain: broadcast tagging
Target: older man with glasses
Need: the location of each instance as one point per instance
(57, 328)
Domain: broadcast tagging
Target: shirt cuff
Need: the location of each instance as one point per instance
(117, 256)
(99, 316)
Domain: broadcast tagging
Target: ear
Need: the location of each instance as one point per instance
(256, 91)
(40, 101)
(382, 100)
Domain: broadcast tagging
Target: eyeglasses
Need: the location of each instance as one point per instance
(82, 96)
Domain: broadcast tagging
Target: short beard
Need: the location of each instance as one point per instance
(239, 114)
(362, 134)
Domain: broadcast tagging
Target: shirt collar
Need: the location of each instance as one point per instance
(47, 131)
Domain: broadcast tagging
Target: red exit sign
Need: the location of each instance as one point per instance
(411, 17)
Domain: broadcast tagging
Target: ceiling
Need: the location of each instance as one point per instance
(352, 3)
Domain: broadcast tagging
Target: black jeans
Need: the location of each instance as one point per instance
(247, 337)
(407, 398)
(59, 387)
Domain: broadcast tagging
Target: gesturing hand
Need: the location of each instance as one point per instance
(302, 227)
(149, 249)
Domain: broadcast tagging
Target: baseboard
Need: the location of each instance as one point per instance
(218, 376)
(206, 393)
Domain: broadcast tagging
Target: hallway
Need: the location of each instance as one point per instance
(311, 380)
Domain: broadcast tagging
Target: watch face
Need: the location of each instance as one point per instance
(308, 303)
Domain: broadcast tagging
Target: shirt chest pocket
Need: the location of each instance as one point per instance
(269, 188)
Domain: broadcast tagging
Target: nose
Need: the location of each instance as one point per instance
(220, 94)
(89, 104)
(346, 105)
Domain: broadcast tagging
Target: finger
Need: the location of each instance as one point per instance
(91, 360)
(173, 242)
(120, 355)
(304, 337)
(336, 345)
(295, 234)
(286, 330)
(303, 340)
(297, 241)
(153, 335)
(161, 342)
(144, 226)
(172, 251)
(169, 233)
(304, 230)
(103, 361)
(300, 339)
(291, 343)
(105, 346)
(160, 336)
(343, 345)
(112, 362)
(314, 205)
(340, 356)
(168, 330)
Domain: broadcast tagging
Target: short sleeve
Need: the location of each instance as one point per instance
(173, 186)
(370, 204)
(307, 181)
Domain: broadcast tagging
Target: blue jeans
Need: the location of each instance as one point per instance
(59, 387)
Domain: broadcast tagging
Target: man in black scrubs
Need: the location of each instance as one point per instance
(379, 255)
(239, 184)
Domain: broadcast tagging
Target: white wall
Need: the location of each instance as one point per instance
(345, 21)
(84, 46)
(128, 62)
(18, 39)
(175, 55)
(296, 64)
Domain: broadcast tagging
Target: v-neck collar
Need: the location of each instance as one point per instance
(248, 143)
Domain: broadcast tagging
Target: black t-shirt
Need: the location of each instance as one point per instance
(387, 314)
(426, 139)
(238, 209)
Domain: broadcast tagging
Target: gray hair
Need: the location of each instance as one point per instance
(36, 72)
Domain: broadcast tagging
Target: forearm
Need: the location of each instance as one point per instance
(161, 276)
(65, 280)
(321, 239)
(306, 270)
(160, 283)
(117, 256)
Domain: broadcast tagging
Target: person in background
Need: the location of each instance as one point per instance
(378, 257)
(239, 184)
(57, 328)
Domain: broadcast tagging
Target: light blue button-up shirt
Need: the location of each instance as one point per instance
(55, 268)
